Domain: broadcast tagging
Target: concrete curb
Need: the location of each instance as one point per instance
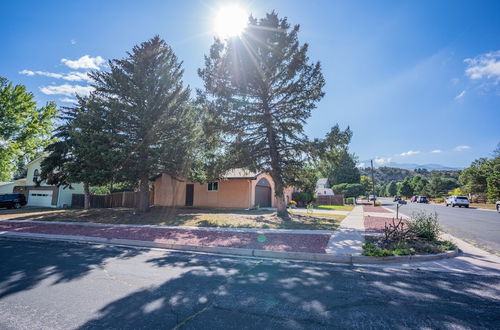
(244, 230)
(303, 256)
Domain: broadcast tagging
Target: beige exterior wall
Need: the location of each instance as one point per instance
(232, 193)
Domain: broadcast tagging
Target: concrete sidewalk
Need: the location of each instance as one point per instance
(348, 239)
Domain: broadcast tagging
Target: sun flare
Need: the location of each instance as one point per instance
(230, 21)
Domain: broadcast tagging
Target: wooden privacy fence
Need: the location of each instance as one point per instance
(330, 200)
(128, 199)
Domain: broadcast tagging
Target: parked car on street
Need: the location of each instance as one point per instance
(413, 199)
(397, 198)
(498, 206)
(12, 200)
(460, 201)
(402, 201)
(422, 199)
(372, 197)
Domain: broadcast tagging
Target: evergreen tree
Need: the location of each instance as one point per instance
(345, 171)
(391, 189)
(152, 111)
(84, 150)
(263, 87)
(406, 189)
(24, 128)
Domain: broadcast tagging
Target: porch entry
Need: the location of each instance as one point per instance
(263, 193)
(189, 194)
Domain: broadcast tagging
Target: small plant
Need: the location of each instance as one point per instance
(350, 200)
(396, 231)
(378, 203)
(371, 250)
(310, 209)
(425, 225)
(447, 245)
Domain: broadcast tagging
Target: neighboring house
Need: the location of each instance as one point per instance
(323, 188)
(39, 193)
(8, 187)
(238, 188)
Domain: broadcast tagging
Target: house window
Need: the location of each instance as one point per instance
(35, 176)
(213, 186)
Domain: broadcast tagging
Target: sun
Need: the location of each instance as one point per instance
(230, 21)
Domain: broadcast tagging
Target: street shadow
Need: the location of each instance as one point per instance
(24, 264)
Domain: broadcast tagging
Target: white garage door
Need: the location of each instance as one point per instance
(40, 198)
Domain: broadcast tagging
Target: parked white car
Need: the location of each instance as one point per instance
(460, 201)
(498, 206)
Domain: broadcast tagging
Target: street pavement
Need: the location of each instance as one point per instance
(478, 227)
(60, 285)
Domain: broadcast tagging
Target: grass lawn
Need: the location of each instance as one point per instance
(336, 207)
(236, 218)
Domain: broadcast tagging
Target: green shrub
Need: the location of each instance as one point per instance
(424, 225)
(303, 198)
(371, 250)
(447, 245)
(350, 200)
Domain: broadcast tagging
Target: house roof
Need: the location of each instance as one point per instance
(240, 173)
(322, 182)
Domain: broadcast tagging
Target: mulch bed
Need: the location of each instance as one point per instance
(313, 243)
(371, 208)
(376, 224)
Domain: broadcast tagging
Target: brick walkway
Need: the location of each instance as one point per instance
(377, 209)
(288, 242)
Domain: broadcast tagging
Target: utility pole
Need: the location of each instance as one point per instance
(373, 184)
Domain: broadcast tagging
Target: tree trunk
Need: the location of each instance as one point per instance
(143, 193)
(86, 196)
(280, 199)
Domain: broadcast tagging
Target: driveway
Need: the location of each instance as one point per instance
(57, 285)
(478, 227)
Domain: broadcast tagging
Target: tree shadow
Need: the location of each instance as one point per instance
(214, 294)
(23, 269)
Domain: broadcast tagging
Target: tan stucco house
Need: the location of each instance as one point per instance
(39, 193)
(238, 188)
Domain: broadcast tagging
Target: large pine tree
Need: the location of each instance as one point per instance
(262, 87)
(152, 112)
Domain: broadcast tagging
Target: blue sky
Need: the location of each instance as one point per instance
(417, 81)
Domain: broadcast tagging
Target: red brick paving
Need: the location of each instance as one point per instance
(376, 224)
(313, 243)
(371, 208)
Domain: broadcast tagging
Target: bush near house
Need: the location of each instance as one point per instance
(303, 198)
(418, 235)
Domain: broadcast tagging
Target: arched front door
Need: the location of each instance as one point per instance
(263, 193)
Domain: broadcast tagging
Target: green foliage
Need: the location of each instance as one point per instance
(366, 182)
(384, 174)
(302, 198)
(371, 250)
(24, 128)
(350, 200)
(150, 108)
(447, 245)
(261, 87)
(391, 189)
(349, 189)
(405, 188)
(344, 171)
(424, 225)
(420, 185)
(483, 177)
(305, 179)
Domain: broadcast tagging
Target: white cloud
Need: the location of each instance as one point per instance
(73, 41)
(84, 62)
(71, 76)
(462, 148)
(484, 66)
(361, 165)
(460, 95)
(436, 151)
(66, 89)
(382, 161)
(409, 153)
(68, 100)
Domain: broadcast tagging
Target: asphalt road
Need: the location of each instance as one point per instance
(478, 227)
(57, 285)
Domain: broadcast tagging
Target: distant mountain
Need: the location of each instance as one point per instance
(411, 167)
